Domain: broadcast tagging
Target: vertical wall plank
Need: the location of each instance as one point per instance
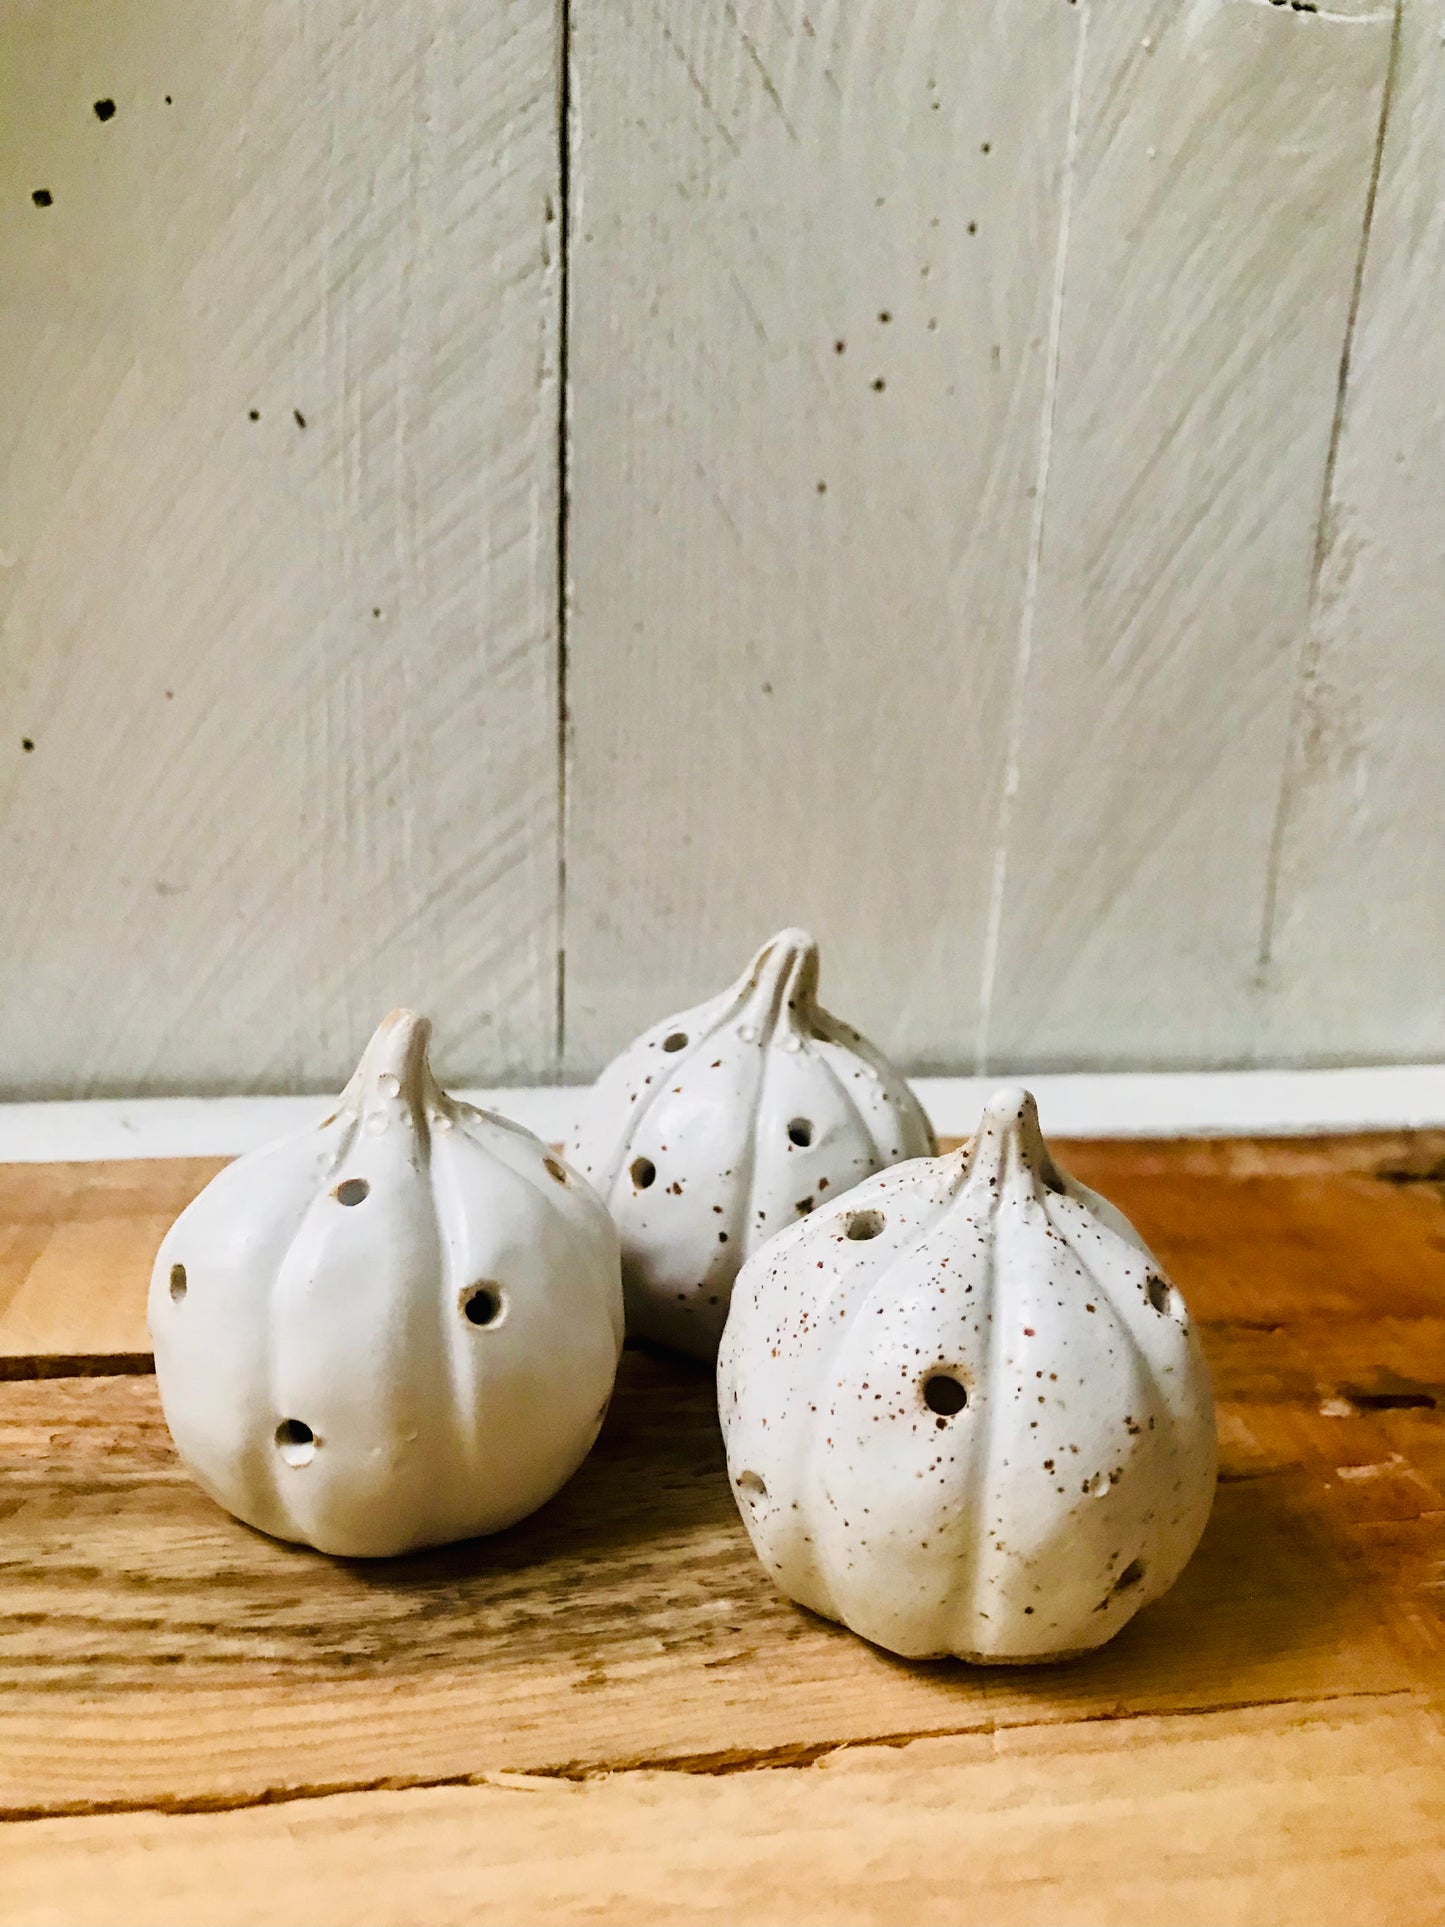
(1085, 775)
(812, 282)
(1225, 151)
(1356, 943)
(278, 519)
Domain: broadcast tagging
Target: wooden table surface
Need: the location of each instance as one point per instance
(607, 1714)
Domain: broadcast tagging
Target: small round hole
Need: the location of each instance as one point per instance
(1157, 1292)
(178, 1282)
(642, 1171)
(944, 1394)
(800, 1132)
(751, 1485)
(295, 1441)
(555, 1169)
(864, 1224)
(482, 1304)
(351, 1191)
(676, 1040)
(1130, 1576)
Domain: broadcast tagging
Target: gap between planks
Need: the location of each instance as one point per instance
(771, 1759)
(1329, 1818)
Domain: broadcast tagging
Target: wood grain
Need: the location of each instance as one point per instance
(1224, 160)
(1351, 944)
(1088, 709)
(278, 512)
(812, 282)
(1298, 1816)
(952, 405)
(153, 1653)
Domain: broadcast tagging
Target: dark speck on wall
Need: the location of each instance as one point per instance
(300, 418)
(767, 689)
(168, 100)
(377, 614)
(42, 197)
(253, 414)
(879, 384)
(27, 743)
(105, 110)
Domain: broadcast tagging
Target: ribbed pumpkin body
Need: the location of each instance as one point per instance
(964, 1410)
(396, 1330)
(723, 1124)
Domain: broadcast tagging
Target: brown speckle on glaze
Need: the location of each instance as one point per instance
(981, 1520)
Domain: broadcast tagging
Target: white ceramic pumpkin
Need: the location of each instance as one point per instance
(394, 1330)
(723, 1124)
(964, 1410)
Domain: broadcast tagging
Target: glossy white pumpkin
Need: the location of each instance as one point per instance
(964, 1410)
(398, 1329)
(720, 1125)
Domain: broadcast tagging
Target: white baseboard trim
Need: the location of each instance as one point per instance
(1114, 1104)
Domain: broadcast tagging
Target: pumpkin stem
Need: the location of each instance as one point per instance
(781, 981)
(1008, 1141)
(394, 1068)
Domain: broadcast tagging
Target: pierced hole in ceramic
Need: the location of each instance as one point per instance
(751, 1485)
(352, 1191)
(800, 1132)
(863, 1224)
(295, 1441)
(675, 1040)
(555, 1168)
(944, 1394)
(642, 1171)
(482, 1304)
(178, 1282)
(1130, 1576)
(1158, 1293)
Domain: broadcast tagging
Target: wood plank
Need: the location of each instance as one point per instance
(1253, 1229)
(1352, 944)
(154, 1652)
(77, 1242)
(277, 596)
(811, 288)
(1291, 1815)
(1224, 159)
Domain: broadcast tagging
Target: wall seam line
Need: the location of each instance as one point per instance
(564, 507)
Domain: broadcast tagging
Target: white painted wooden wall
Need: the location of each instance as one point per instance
(967, 478)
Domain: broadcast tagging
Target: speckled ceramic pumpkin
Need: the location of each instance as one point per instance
(394, 1330)
(720, 1125)
(965, 1411)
